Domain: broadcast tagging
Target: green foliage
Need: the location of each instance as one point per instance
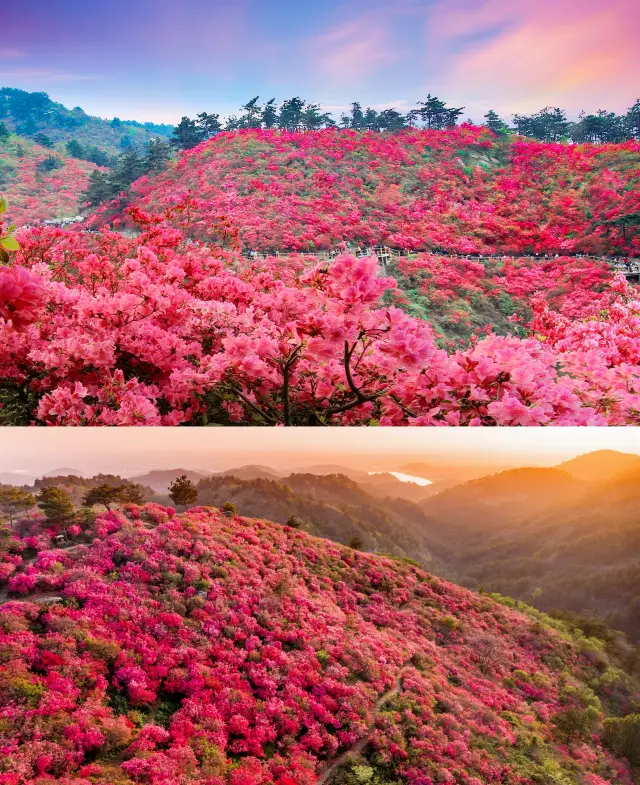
(356, 542)
(183, 492)
(14, 500)
(622, 737)
(56, 504)
(575, 724)
(548, 125)
(7, 241)
(229, 507)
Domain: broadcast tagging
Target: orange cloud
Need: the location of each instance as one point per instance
(519, 58)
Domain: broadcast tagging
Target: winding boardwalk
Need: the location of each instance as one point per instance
(360, 745)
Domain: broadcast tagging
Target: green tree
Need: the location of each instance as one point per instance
(632, 121)
(132, 493)
(495, 123)
(598, 128)
(313, 118)
(290, 118)
(548, 125)
(75, 149)
(129, 167)
(43, 140)
(391, 120)
(187, 134)
(252, 117)
(435, 114)
(157, 157)
(270, 114)
(4, 133)
(622, 736)
(99, 190)
(293, 522)
(104, 494)
(56, 504)
(229, 507)
(209, 124)
(356, 542)
(15, 500)
(183, 492)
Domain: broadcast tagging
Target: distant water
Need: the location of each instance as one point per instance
(406, 478)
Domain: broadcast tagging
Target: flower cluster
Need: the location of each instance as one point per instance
(36, 192)
(463, 191)
(105, 329)
(206, 650)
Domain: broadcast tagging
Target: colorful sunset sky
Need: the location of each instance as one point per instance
(38, 450)
(160, 59)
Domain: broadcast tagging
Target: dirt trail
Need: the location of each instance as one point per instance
(359, 746)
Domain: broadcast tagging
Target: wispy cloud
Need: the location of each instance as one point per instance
(575, 53)
(8, 53)
(354, 50)
(45, 75)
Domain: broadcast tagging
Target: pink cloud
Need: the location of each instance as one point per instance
(572, 54)
(354, 50)
(8, 53)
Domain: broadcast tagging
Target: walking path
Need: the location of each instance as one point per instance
(360, 745)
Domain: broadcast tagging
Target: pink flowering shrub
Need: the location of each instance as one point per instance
(104, 329)
(463, 191)
(37, 195)
(197, 650)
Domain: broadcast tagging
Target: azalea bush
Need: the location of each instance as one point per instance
(39, 193)
(463, 190)
(206, 650)
(156, 329)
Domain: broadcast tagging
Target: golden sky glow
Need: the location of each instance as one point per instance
(38, 450)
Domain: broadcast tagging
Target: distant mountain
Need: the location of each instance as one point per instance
(252, 472)
(332, 506)
(500, 502)
(546, 537)
(161, 479)
(601, 465)
(331, 468)
(65, 473)
(30, 114)
(13, 478)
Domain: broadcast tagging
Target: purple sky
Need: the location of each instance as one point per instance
(159, 59)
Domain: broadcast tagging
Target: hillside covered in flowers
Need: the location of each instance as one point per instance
(44, 184)
(105, 329)
(462, 190)
(155, 648)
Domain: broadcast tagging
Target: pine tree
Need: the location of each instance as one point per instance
(56, 504)
(252, 117)
(157, 157)
(183, 492)
(356, 542)
(270, 114)
(4, 133)
(209, 124)
(14, 500)
(105, 495)
(290, 118)
(75, 149)
(495, 123)
(99, 190)
(187, 134)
